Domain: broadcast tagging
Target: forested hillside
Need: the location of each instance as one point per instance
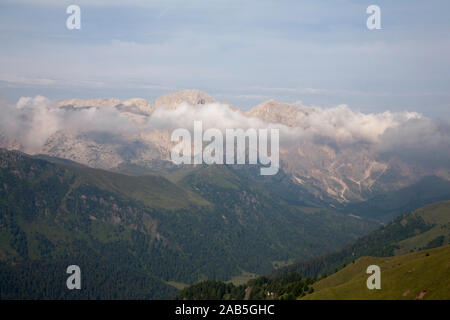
(284, 287)
(424, 228)
(212, 224)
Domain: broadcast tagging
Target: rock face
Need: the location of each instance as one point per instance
(97, 103)
(9, 143)
(344, 172)
(103, 150)
(136, 108)
(288, 114)
(134, 105)
(193, 97)
(138, 105)
(100, 150)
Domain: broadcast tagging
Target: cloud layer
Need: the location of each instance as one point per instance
(406, 135)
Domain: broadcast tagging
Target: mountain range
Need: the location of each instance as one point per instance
(331, 153)
(90, 182)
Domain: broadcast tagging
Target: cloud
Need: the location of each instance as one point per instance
(339, 124)
(346, 126)
(213, 115)
(31, 121)
(418, 141)
(405, 135)
(12, 80)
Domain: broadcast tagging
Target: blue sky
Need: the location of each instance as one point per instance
(242, 52)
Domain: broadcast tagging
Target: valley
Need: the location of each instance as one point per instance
(422, 273)
(109, 199)
(211, 224)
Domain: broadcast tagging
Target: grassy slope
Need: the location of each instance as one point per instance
(402, 277)
(153, 190)
(437, 214)
(410, 232)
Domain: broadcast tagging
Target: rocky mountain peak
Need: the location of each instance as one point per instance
(193, 97)
(139, 102)
(274, 111)
(137, 105)
(97, 103)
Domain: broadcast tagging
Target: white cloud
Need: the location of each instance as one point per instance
(407, 135)
(344, 125)
(418, 141)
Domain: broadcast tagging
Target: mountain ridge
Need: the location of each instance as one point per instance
(321, 161)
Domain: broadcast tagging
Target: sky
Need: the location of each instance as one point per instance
(243, 52)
